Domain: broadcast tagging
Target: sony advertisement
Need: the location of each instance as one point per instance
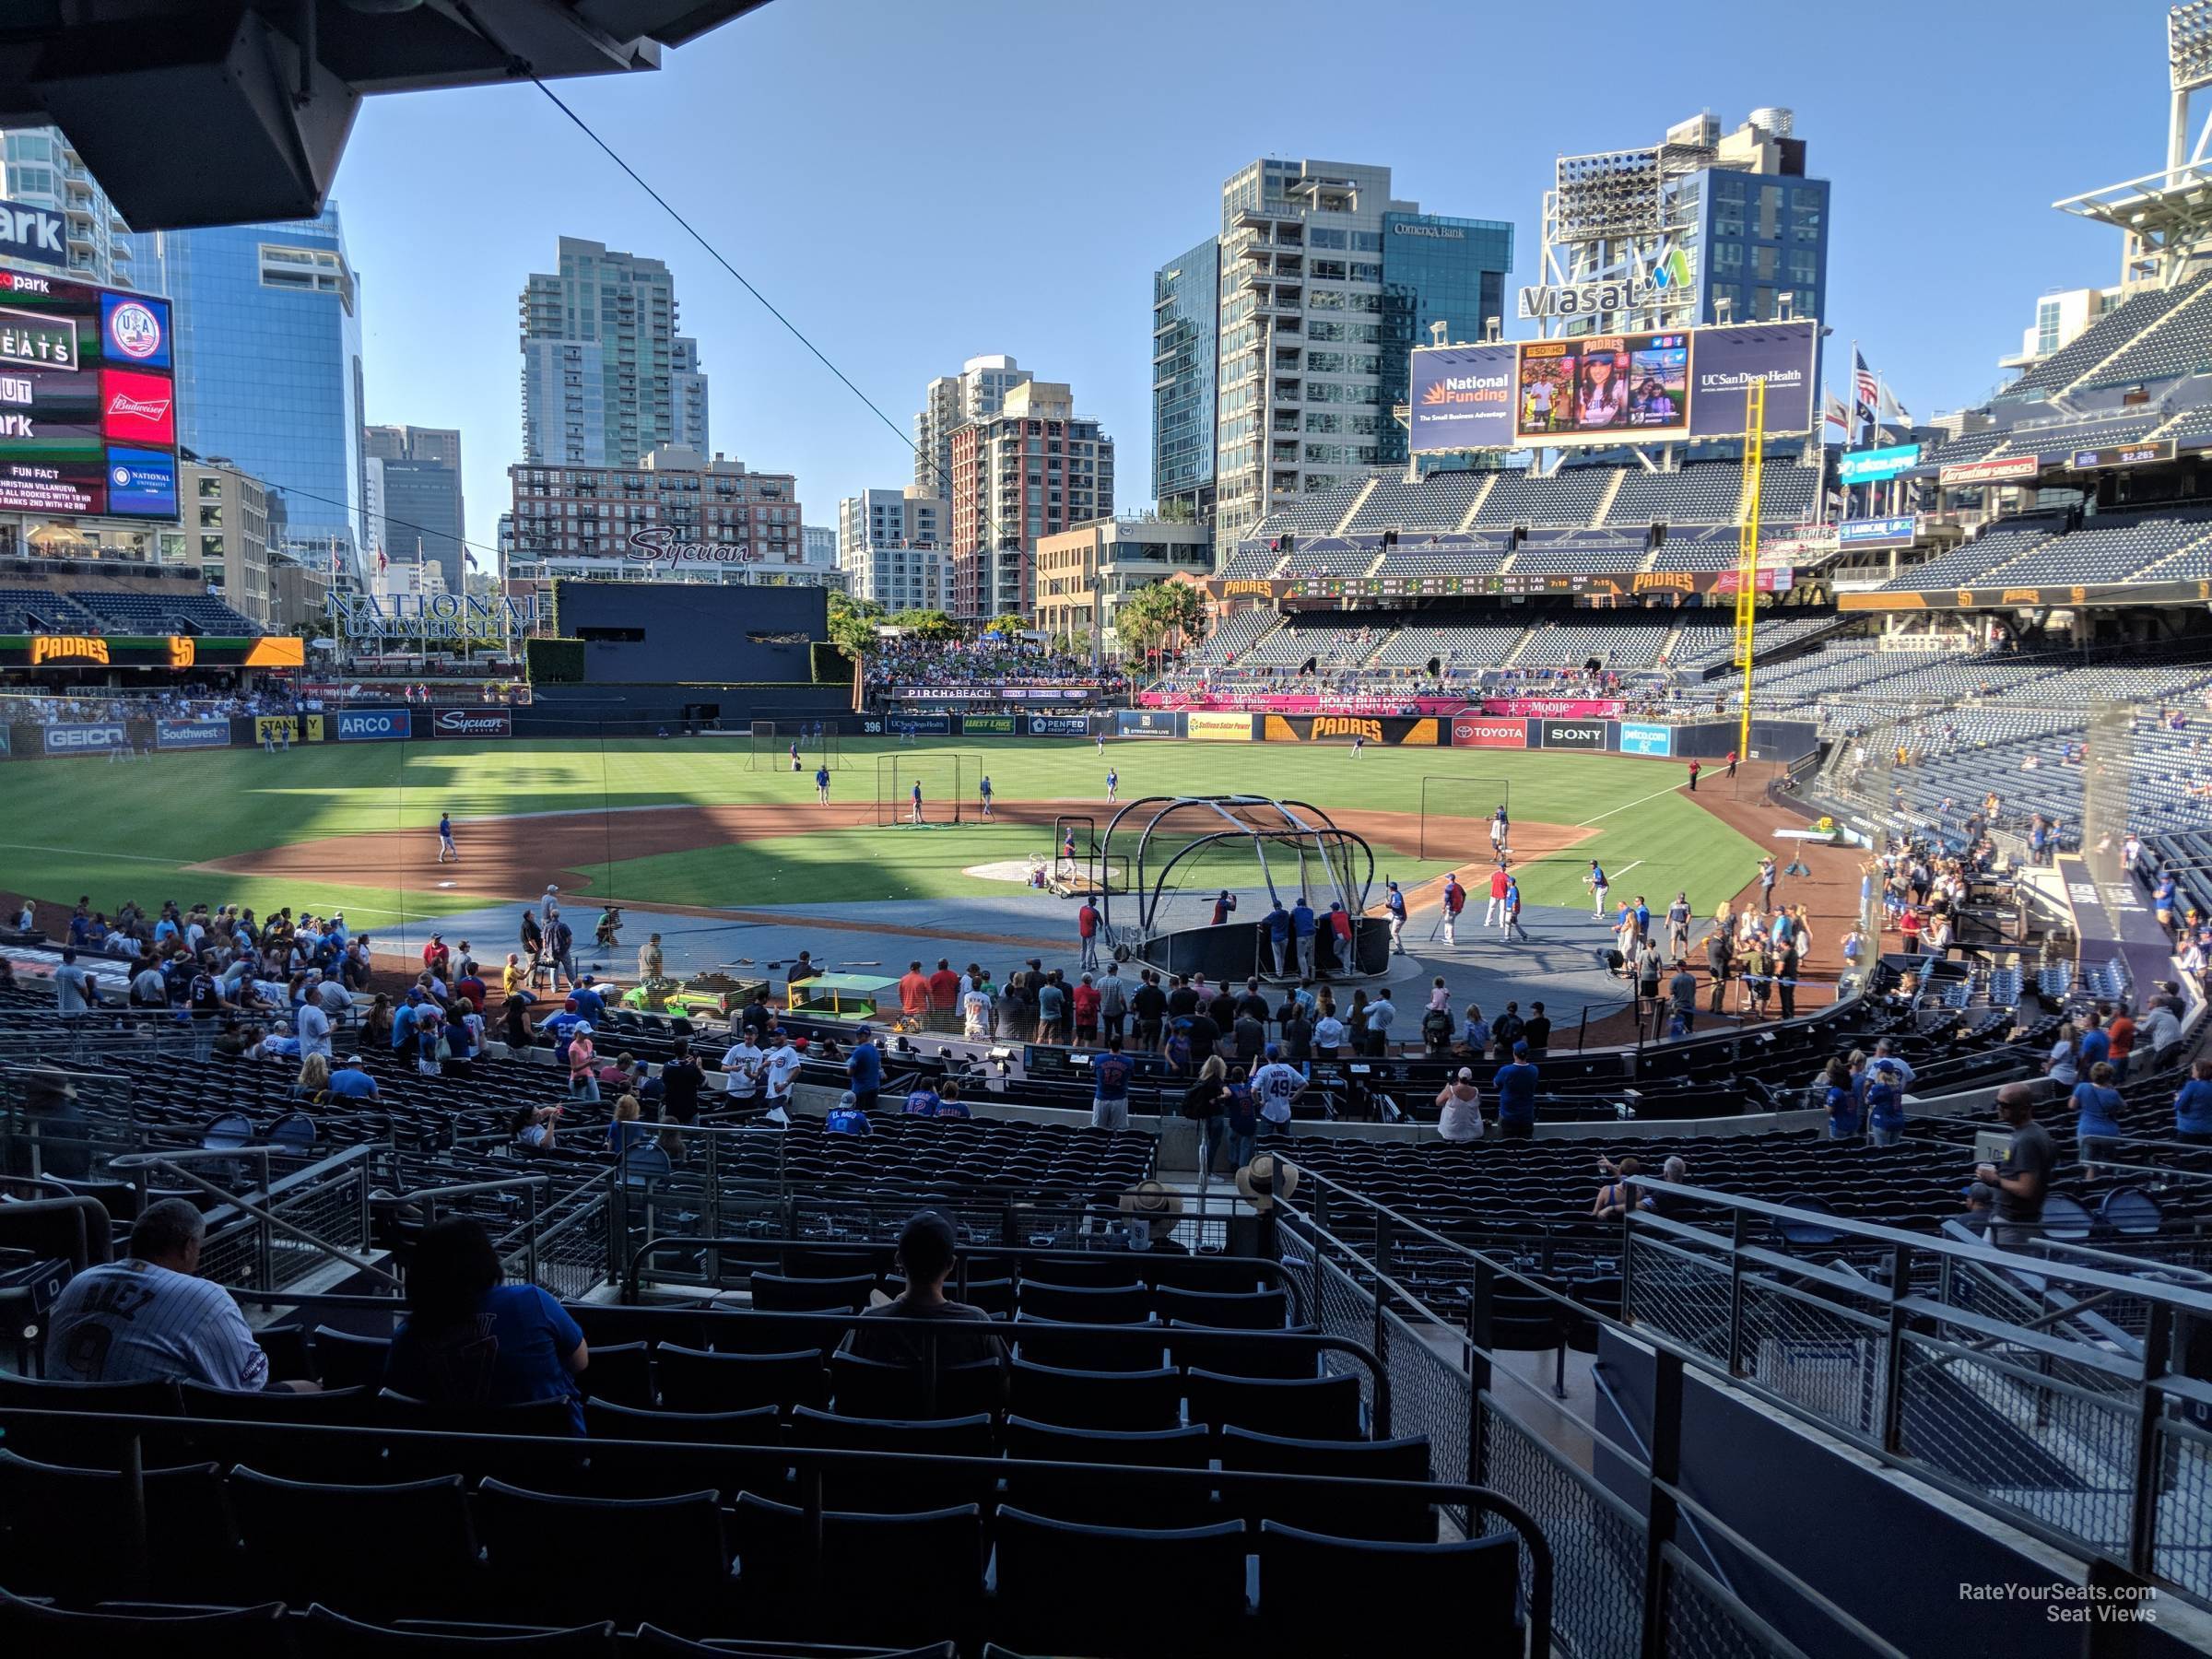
(1574, 734)
(1650, 386)
(88, 400)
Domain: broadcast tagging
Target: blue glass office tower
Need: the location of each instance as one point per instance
(1185, 311)
(1754, 237)
(1435, 270)
(268, 351)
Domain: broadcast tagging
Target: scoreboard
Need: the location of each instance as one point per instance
(88, 400)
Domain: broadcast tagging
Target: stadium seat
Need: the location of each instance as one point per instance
(1249, 1311)
(1307, 1408)
(1192, 1577)
(1348, 1515)
(1080, 1304)
(257, 1632)
(1038, 1341)
(1203, 1348)
(372, 1551)
(346, 1361)
(924, 1572)
(880, 1487)
(1479, 1579)
(330, 1635)
(873, 1388)
(607, 1419)
(775, 1293)
(60, 1529)
(692, 1380)
(1099, 1503)
(278, 1405)
(622, 1372)
(634, 1558)
(1122, 1400)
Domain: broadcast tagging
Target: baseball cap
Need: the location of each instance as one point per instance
(848, 1099)
(1522, 1046)
(587, 980)
(1275, 1051)
(584, 1028)
(1465, 1076)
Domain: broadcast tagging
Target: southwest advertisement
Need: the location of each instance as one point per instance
(1345, 728)
(191, 734)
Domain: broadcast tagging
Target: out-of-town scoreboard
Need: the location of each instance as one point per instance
(88, 400)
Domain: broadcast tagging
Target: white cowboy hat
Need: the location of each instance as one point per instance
(1265, 1179)
(1154, 1203)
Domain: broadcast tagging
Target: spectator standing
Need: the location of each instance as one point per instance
(2193, 1107)
(1052, 1010)
(1110, 1088)
(1085, 1000)
(1276, 1086)
(1682, 992)
(1381, 1014)
(914, 998)
(2023, 1177)
(1516, 1086)
(1279, 926)
(863, 1071)
(2121, 1034)
(1537, 1032)
(1113, 1002)
(1885, 1096)
(2097, 1129)
(780, 1065)
(1148, 1004)
(1840, 1095)
(944, 995)
(1204, 1103)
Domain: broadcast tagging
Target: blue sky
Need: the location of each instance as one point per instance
(914, 183)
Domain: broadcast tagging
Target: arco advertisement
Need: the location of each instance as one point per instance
(1472, 730)
(374, 725)
(1349, 729)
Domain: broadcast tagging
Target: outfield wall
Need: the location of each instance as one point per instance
(1474, 727)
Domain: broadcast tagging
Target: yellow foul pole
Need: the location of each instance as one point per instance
(1746, 570)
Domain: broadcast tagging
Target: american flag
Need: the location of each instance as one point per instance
(1865, 389)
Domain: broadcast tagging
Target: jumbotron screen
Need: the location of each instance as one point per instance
(88, 400)
(1602, 388)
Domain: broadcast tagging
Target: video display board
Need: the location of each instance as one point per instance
(1648, 387)
(88, 400)
(1603, 389)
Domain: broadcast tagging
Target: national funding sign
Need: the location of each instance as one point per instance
(88, 400)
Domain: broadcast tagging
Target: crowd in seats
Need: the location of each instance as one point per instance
(176, 702)
(982, 663)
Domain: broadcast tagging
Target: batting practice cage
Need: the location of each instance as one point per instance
(1455, 817)
(773, 739)
(948, 780)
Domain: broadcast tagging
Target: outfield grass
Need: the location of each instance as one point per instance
(116, 831)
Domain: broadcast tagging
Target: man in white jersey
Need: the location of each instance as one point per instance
(149, 1317)
(1276, 1084)
(741, 1064)
(780, 1065)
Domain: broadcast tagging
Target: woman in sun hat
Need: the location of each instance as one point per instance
(1159, 1208)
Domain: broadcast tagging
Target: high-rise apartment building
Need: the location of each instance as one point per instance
(818, 544)
(1033, 468)
(266, 332)
(419, 511)
(950, 402)
(1187, 304)
(44, 169)
(600, 360)
(893, 547)
(688, 393)
(1324, 280)
(223, 527)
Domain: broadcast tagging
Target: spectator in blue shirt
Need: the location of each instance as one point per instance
(1302, 924)
(1885, 1092)
(1475, 1035)
(587, 1001)
(349, 1082)
(471, 1340)
(403, 1022)
(864, 1070)
(1842, 1099)
(1110, 1074)
(2095, 1043)
(2097, 1130)
(1516, 1086)
(1279, 937)
(560, 1024)
(2193, 1106)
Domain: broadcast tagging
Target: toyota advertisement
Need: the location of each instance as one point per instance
(1612, 388)
(1472, 730)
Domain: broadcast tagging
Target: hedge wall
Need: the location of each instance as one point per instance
(551, 661)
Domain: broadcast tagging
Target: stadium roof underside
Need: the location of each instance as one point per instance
(192, 112)
(2167, 216)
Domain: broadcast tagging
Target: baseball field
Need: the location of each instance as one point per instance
(700, 824)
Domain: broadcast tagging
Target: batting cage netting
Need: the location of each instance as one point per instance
(773, 741)
(947, 780)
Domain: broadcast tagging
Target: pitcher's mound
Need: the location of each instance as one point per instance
(1005, 869)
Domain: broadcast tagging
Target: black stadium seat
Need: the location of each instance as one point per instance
(1191, 1599)
(1083, 1399)
(606, 1420)
(1307, 1408)
(256, 1632)
(372, 1551)
(60, 1527)
(621, 1371)
(1479, 1579)
(630, 1559)
(692, 1380)
(776, 1294)
(330, 1635)
(924, 1572)
(873, 1388)
(883, 1486)
(1101, 1502)
(1347, 1515)
(1251, 1311)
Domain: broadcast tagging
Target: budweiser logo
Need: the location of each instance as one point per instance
(122, 403)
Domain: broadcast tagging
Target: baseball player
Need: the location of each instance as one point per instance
(983, 789)
(1455, 900)
(794, 758)
(1494, 911)
(1113, 784)
(915, 795)
(445, 839)
(1595, 882)
(1395, 905)
(821, 786)
(1501, 829)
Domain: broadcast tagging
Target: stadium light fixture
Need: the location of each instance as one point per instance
(2189, 45)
